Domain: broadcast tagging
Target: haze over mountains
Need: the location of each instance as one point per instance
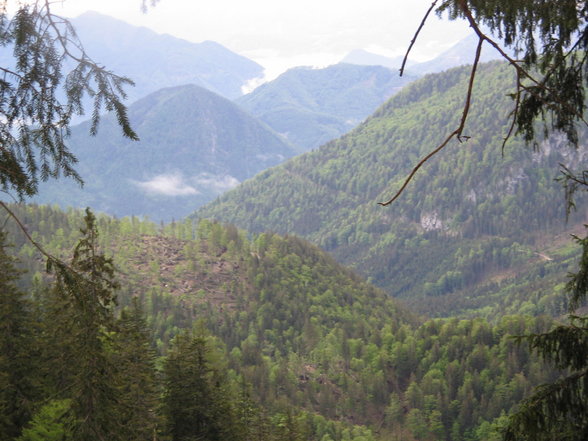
(154, 61)
(304, 108)
(173, 174)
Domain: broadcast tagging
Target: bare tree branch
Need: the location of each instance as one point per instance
(457, 133)
(413, 41)
(416, 168)
(514, 113)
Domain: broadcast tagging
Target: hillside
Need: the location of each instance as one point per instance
(312, 106)
(316, 345)
(194, 145)
(154, 61)
(447, 235)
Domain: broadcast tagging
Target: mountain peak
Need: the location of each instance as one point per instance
(194, 144)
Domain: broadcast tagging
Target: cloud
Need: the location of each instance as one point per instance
(176, 184)
(253, 84)
(168, 185)
(216, 183)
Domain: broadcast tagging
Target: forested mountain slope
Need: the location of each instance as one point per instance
(312, 106)
(473, 217)
(321, 350)
(193, 145)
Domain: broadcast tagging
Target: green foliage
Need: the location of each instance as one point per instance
(134, 357)
(559, 410)
(49, 423)
(85, 290)
(197, 400)
(550, 38)
(296, 346)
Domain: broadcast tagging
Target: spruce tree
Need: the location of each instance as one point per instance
(39, 96)
(134, 358)
(559, 411)
(197, 400)
(85, 325)
(18, 356)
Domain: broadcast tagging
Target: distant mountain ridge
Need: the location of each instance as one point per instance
(457, 55)
(154, 61)
(194, 145)
(312, 106)
(365, 58)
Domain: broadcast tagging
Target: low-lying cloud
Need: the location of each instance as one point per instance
(217, 183)
(176, 184)
(168, 185)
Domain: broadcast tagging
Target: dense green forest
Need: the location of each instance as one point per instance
(473, 217)
(219, 334)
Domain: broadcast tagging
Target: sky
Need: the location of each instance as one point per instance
(279, 34)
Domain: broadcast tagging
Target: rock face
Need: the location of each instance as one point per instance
(431, 222)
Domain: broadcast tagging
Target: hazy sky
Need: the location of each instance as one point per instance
(285, 33)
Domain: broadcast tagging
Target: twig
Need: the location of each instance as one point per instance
(514, 113)
(468, 101)
(60, 264)
(413, 41)
(419, 165)
(521, 71)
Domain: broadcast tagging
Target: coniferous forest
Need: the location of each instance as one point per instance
(294, 307)
(203, 331)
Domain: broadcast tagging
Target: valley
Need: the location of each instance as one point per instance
(234, 277)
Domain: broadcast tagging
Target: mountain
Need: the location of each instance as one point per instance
(474, 219)
(154, 61)
(194, 145)
(312, 106)
(459, 54)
